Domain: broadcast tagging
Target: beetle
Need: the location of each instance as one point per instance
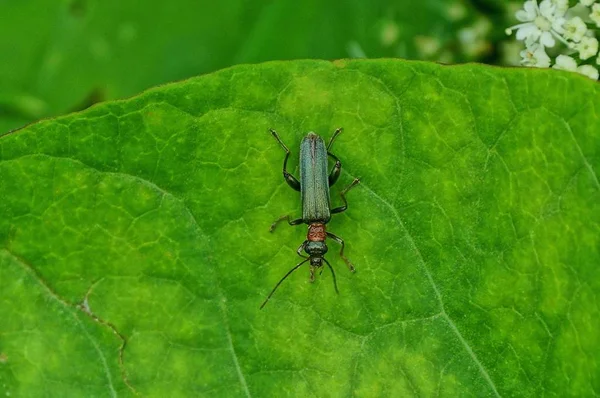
(316, 204)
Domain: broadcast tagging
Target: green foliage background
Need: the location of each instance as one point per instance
(134, 244)
(62, 56)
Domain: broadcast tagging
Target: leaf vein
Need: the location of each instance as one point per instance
(438, 295)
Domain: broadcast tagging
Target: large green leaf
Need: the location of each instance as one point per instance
(135, 252)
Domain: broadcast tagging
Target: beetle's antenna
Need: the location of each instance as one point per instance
(332, 273)
(282, 279)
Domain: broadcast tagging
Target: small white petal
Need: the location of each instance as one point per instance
(530, 8)
(547, 40)
(589, 71)
(528, 30)
(588, 47)
(547, 9)
(557, 25)
(531, 41)
(523, 16)
(595, 14)
(543, 60)
(587, 3)
(561, 7)
(564, 62)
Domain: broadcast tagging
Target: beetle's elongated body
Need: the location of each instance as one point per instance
(316, 204)
(314, 185)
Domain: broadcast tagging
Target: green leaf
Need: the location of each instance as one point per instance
(135, 251)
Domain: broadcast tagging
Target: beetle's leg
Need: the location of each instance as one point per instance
(341, 242)
(343, 195)
(297, 221)
(333, 137)
(312, 274)
(290, 179)
(300, 248)
(337, 169)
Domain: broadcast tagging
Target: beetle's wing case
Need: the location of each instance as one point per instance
(314, 182)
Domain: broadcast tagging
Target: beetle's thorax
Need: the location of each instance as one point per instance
(316, 232)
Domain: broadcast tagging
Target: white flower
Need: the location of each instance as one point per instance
(561, 7)
(535, 55)
(574, 29)
(595, 14)
(564, 62)
(587, 3)
(589, 71)
(539, 23)
(588, 47)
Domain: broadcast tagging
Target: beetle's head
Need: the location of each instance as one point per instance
(316, 262)
(316, 251)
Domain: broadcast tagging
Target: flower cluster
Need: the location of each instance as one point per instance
(550, 22)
